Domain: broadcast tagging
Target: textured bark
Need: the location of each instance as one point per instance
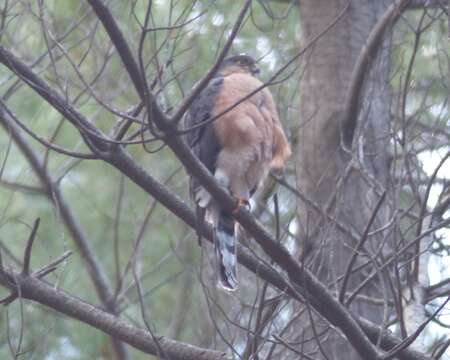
(347, 184)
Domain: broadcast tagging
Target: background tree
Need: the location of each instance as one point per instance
(92, 94)
(343, 159)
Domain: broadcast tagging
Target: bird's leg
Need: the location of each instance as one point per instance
(200, 221)
(239, 188)
(240, 203)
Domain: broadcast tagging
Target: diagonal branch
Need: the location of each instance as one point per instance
(28, 248)
(89, 132)
(211, 72)
(138, 175)
(304, 281)
(39, 291)
(54, 194)
(357, 249)
(361, 69)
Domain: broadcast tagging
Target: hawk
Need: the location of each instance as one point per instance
(239, 148)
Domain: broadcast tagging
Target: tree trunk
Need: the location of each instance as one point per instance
(345, 184)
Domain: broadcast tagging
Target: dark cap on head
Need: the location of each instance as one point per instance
(246, 62)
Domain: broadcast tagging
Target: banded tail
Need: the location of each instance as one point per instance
(225, 246)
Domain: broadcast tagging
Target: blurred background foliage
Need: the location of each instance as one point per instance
(168, 256)
(112, 210)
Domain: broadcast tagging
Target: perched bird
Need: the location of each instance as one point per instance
(239, 147)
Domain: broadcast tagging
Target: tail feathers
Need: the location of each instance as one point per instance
(225, 246)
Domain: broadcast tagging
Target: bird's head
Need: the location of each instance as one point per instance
(239, 63)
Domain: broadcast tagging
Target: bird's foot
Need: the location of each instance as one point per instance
(240, 203)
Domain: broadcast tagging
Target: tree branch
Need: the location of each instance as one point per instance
(414, 4)
(36, 290)
(29, 247)
(304, 281)
(361, 68)
(420, 4)
(54, 194)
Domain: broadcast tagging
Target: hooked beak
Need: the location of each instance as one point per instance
(255, 70)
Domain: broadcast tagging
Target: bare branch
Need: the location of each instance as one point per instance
(360, 71)
(39, 291)
(29, 246)
(301, 282)
(54, 194)
(358, 247)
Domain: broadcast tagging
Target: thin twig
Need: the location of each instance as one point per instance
(358, 247)
(28, 248)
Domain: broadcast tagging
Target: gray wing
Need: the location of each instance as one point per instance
(203, 140)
